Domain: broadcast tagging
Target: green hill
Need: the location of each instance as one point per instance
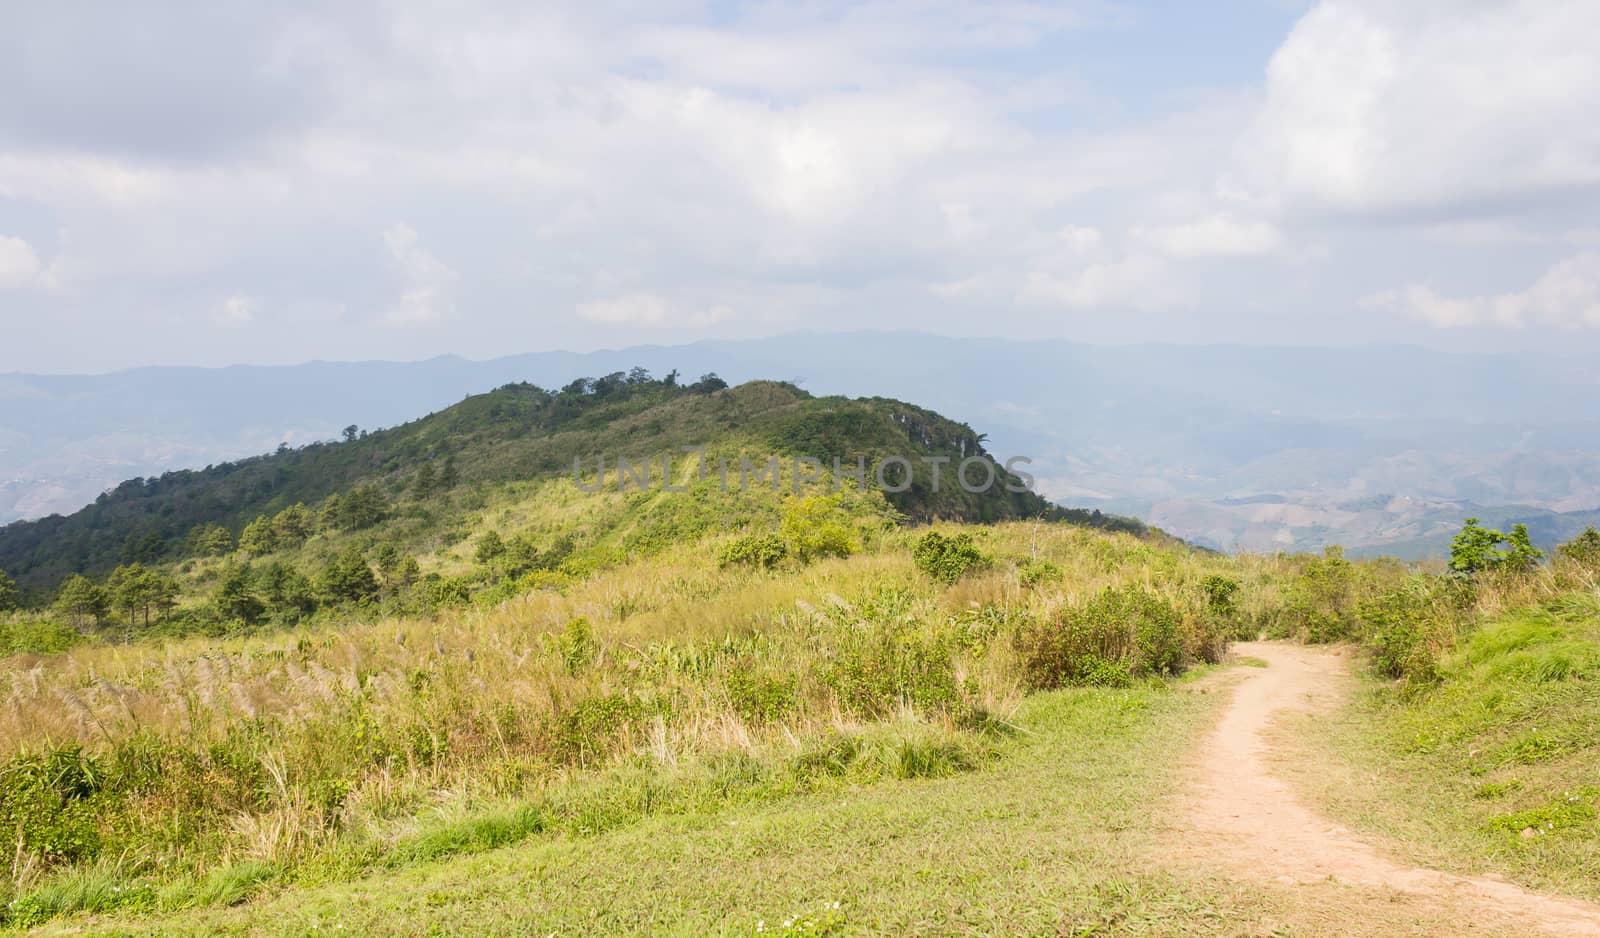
(420, 483)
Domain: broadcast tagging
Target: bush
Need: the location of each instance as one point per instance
(1476, 549)
(588, 730)
(1320, 605)
(754, 550)
(947, 559)
(1035, 571)
(815, 527)
(1221, 593)
(878, 668)
(578, 645)
(1411, 626)
(38, 636)
(1117, 636)
(761, 698)
(1584, 550)
(47, 804)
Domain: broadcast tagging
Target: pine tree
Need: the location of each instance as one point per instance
(293, 524)
(363, 507)
(286, 591)
(259, 537)
(81, 601)
(236, 595)
(10, 597)
(332, 509)
(348, 578)
(490, 547)
(209, 540)
(425, 482)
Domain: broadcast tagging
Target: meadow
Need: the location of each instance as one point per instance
(815, 652)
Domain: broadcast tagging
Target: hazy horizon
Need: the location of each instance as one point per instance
(1565, 351)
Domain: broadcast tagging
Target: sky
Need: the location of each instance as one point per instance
(225, 182)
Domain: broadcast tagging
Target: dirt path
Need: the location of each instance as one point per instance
(1253, 827)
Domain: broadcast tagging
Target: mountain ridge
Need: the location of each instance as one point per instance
(520, 432)
(1134, 426)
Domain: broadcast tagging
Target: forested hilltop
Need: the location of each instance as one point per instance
(419, 488)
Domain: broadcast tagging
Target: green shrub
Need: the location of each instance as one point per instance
(761, 698)
(588, 730)
(1221, 594)
(577, 645)
(879, 667)
(1118, 635)
(1412, 626)
(48, 805)
(1476, 550)
(1319, 605)
(1584, 549)
(1035, 571)
(754, 550)
(36, 636)
(817, 526)
(947, 559)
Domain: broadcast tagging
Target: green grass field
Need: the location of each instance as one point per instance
(1053, 837)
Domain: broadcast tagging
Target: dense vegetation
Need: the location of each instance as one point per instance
(420, 481)
(422, 664)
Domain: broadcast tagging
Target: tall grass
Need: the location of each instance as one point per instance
(209, 766)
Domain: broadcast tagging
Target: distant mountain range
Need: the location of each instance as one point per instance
(1383, 449)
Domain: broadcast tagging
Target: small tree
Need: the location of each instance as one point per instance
(426, 480)
(236, 596)
(348, 578)
(259, 537)
(81, 601)
(708, 383)
(1477, 549)
(328, 517)
(286, 591)
(210, 540)
(10, 597)
(490, 547)
(125, 589)
(1473, 550)
(363, 507)
(293, 524)
(1520, 556)
(1583, 549)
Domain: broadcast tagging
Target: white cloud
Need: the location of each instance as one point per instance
(1217, 235)
(1432, 107)
(650, 311)
(836, 165)
(1139, 281)
(425, 298)
(1566, 296)
(237, 310)
(19, 264)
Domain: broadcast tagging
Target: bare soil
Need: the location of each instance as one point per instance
(1242, 821)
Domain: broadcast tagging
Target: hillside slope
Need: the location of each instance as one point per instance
(518, 434)
(1182, 436)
